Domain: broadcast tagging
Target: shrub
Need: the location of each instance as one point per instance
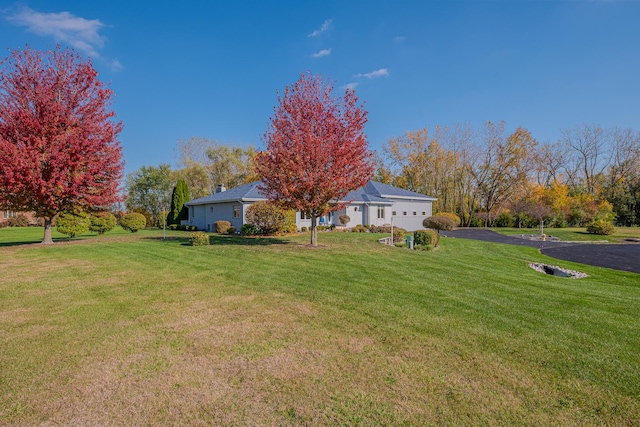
(249, 230)
(102, 222)
(173, 227)
(359, 229)
(426, 237)
(344, 219)
(4, 224)
(270, 219)
(232, 230)
(290, 222)
(72, 224)
(600, 226)
(303, 229)
(439, 223)
(133, 222)
(454, 217)
(222, 226)
(505, 219)
(147, 216)
(399, 234)
(199, 238)
(19, 220)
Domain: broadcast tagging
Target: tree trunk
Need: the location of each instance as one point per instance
(314, 232)
(48, 240)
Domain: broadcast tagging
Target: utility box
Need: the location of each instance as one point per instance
(409, 242)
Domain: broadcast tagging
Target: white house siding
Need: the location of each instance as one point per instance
(404, 214)
(205, 216)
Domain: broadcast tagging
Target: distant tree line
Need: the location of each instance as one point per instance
(491, 177)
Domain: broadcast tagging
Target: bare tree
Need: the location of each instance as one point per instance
(590, 154)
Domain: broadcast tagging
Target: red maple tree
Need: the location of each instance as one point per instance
(316, 149)
(58, 142)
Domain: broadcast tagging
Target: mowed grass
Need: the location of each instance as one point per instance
(136, 330)
(576, 234)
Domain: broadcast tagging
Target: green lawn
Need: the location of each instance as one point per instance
(575, 234)
(134, 330)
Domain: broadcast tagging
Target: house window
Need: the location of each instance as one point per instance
(304, 215)
(355, 209)
(404, 213)
(10, 214)
(211, 208)
(415, 213)
(424, 213)
(381, 212)
(394, 213)
(237, 211)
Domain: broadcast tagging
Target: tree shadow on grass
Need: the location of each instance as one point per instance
(34, 242)
(248, 241)
(223, 240)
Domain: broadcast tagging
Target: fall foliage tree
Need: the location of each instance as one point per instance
(222, 163)
(316, 149)
(58, 142)
(503, 167)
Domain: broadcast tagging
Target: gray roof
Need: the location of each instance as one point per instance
(246, 193)
(389, 191)
(373, 192)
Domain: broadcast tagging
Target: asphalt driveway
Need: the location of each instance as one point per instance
(623, 256)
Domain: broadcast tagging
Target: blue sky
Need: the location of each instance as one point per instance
(212, 68)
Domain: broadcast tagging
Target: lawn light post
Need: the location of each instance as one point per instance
(391, 231)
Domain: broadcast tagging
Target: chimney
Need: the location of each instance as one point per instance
(220, 188)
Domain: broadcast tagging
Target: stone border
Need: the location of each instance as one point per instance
(554, 270)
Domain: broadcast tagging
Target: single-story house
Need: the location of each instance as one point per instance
(373, 204)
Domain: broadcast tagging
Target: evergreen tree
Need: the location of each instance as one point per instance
(179, 197)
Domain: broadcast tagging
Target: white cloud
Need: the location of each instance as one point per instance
(321, 53)
(325, 26)
(116, 65)
(351, 85)
(80, 33)
(382, 72)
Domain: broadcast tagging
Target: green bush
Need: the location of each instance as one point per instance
(249, 230)
(439, 222)
(222, 227)
(232, 230)
(133, 222)
(303, 229)
(504, 220)
(600, 226)
(290, 222)
(72, 224)
(426, 237)
(173, 227)
(102, 222)
(199, 239)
